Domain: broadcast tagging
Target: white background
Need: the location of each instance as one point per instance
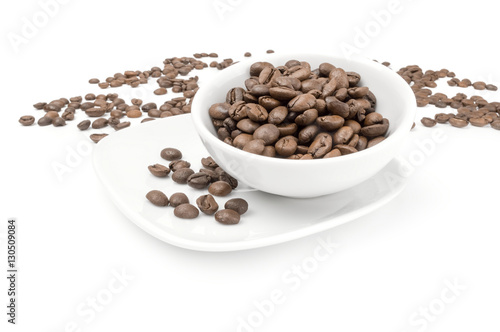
(444, 226)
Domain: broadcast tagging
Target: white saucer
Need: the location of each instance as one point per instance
(121, 161)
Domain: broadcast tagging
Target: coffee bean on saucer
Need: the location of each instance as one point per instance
(227, 217)
(178, 199)
(199, 180)
(159, 170)
(178, 164)
(157, 197)
(237, 204)
(181, 175)
(186, 211)
(207, 204)
(220, 188)
(97, 137)
(171, 154)
(428, 122)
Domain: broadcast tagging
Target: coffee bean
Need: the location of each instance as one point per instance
(227, 217)
(478, 122)
(269, 133)
(343, 135)
(255, 146)
(333, 153)
(45, 121)
(330, 122)
(95, 112)
(428, 122)
(178, 199)
(286, 146)
(199, 180)
(209, 162)
(237, 204)
(495, 124)
(58, 122)
(27, 120)
(345, 149)
(159, 170)
(84, 125)
(122, 125)
(39, 106)
(277, 115)
(247, 126)
(210, 172)
(307, 117)
(186, 211)
(223, 176)
(459, 123)
(97, 137)
(99, 123)
(94, 81)
(220, 188)
(178, 164)
(491, 87)
(242, 139)
(181, 175)
(321, 145)
(157, 197)
(248, 54)
(171, 154)
(302, 103)
(256, 112)
(207, 204)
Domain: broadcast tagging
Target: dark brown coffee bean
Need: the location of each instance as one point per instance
(147, 120)
(343, 135)
(220, 188)
(376, 129)
(333, 153)
(255, 146)
(235, 95)
(307, 117)
(286, 146)
(308, 133)
(283, 93)
(256, 112)
(269, 133)
(355, 126)
(373, 118)
(237, 204)
(59, 122)
(213, 175)
(209, 163)
(122, 125)
(159, 170)
(495, 124)
(478, 122)
(302, 103)
(181, 175)
(330, 122)
(39, 106)
(442, 117)
(100, 123)
(186, 211)
(95, 112)
(171, 154)
(345, 149)
(247, 54)
(479, 85)
(257, 67)
(242, 139)
(199, 180)
(227, 217)
(277, 115)
(491, 87)
(219, 111)
(45, 121)
(157, 197)
(27, 120)
(321, 145)
(336, 107)
(459, 123)
(207, 204)
(96, 138)
(428, 122)
(178, 199)
(178, 164)
(84, 125)
(268, 74)
(247, 126)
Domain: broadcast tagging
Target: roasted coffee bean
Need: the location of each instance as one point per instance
(39, 106)
(428, 122)
(209, 163)
(199, 180)
(220, 188)
(100, 123)
(255, 146)
(376, 129)
(495, 124)
(302, 103)
(330, 122)
(94, 81)
(181, 175)
(207, 204)
(307, 134)
(343, 135)
(159, 170)
(336, 107)
(45, 121)
(237, 204)
(178, 199)
(122, 125)
(256, 112)
(186, 211)
(345, 149)
(269, 151)
(491, 87)
(171, 154)
(286, 146)
(333, 153)
(478, 122)
(219, 111)
(95, 112)
(459, 123)
(287, 129)
(84, 125)
(283, 93)
(227, 217)
(242, 139)
(373, 118)
(135, 113)
(269, 133)
(27, 120)
(442, 117)
(178, 164)
(147, 120)
(235, 95)
(52, 114)
(257, 67)
(59, 122)
(277, 115)
(157, 197)
(96, 138)
(321, 145)
(247, 126)
(307, 117)
(375, 141)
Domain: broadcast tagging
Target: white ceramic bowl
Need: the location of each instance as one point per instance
(309, 178)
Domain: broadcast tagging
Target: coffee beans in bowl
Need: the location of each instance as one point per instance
(300, 125)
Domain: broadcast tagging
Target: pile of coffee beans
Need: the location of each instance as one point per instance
(474, 110)
(211, 176)
(295, 112)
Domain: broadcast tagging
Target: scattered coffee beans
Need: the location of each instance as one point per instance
(227, 217)
(178, 199)
(186, 211)
(237, 204)
(220, 188)
(27, 120)
(97, 137)
(171, 154)
(207, 204)
(159, 170)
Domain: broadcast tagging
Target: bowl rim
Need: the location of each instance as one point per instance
(407, 121)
